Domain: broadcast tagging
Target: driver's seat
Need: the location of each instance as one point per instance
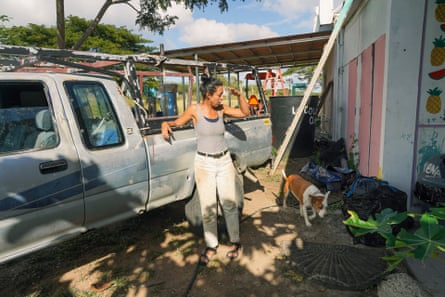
(46, 137)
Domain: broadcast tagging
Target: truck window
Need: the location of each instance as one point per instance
(25, 118)
(95, 115)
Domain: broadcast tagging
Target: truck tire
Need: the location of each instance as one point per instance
(193, 210)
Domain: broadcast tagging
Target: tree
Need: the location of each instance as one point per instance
(3, 19)
(95, 21)
(60, 9)
(304, 73)
(151, 15)
(31, 35)
(106, 38)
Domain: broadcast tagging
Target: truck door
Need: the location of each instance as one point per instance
(41, 195)
(113, 155)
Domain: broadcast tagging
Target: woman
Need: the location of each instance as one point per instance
(214, 170)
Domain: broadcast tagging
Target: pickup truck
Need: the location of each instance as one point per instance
(77, 154)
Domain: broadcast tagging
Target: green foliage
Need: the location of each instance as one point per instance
(3, 20)
(31, 35)
(425, 242)
(305, 73)
(106, 38)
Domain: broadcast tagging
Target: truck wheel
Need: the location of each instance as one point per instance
(193, 210)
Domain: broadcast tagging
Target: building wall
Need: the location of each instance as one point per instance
(404, 46)
(389, 32)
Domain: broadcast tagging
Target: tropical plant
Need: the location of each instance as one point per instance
(427, 240)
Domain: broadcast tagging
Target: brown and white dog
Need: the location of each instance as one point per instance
(308, 195)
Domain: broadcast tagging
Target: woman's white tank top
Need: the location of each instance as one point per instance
(210, 133)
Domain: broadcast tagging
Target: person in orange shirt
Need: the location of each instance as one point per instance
(253, 104)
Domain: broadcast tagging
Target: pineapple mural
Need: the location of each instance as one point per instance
(434, 102)
(438, 52)
(440, 11)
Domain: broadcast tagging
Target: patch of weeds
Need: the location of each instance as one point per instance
(179, 229)
(214, 265)
(188, 250)
(121, 285)
(76, 292)
(293, 275)
(277, 177)
(176, 244)
(182, 247)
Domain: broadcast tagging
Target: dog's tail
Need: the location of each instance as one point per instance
(284, 174)
(285, 189)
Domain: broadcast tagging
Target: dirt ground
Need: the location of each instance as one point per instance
(156, 254)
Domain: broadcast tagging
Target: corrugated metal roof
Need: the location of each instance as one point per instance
(291, 50)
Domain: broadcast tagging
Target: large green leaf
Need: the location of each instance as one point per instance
(382, 223)
(438, 212)
(424, 241)
(389, 216)
(395, 259)
(358, 226)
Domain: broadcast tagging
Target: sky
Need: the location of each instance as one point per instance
(248, 20)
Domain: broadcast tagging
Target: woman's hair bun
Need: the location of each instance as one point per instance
(204, 78)
(208, 85)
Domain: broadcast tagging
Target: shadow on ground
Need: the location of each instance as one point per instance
(156, 254)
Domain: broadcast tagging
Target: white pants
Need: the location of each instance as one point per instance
(217, 175)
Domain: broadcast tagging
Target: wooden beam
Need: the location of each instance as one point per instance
(296, 122)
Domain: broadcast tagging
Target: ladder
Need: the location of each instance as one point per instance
(274, 79)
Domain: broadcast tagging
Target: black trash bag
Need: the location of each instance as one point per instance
(348, 176)
(320, 176)
(368, 196)
(332, 152)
